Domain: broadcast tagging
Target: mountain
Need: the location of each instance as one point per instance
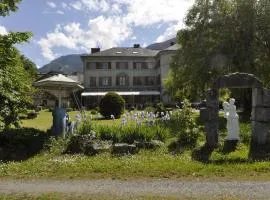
(161, 45)
(66, 64)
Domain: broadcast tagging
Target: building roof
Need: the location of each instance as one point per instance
(58, 81)
(124, 51)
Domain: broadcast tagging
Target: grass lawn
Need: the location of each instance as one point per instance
(145, 164)
(44, 120)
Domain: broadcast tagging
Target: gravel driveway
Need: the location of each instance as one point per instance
(119, 188)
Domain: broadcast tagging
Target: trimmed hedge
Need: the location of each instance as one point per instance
(112, 104)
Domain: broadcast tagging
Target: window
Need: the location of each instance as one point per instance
(122, 80)
(92, 82)
(105, 81)
(138, 80)
(103, 65)
(137, 65)
(121, 65)
(90, 65)
(148, 65)
(149, 80)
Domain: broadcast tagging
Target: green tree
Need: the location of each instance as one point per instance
(30, 67)
(15, 81)
(221, 36)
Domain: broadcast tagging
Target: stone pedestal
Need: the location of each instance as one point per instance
(230, 146)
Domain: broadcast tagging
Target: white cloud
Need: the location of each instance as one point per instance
(51, 4)
(170, 32)
(77, 5)
(116, 22)
(60, 12)
(73, 37)
(3, 30)
(65, 6)
(92, 5)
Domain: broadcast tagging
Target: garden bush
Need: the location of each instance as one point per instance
(149, 109)
(85, 127)
(20, 144)
(112, 104)
(183, 125)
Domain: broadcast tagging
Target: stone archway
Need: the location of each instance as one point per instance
(260, 115)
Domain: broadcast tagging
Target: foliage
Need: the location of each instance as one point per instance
(112, 104)
(182, 124)
(149, 109)
(220, 36)
(56, 145)
(159, 107)
(85, 127)
(131, 133)
(8, 5)
(29, 67)
(245, 133)
(15, 81)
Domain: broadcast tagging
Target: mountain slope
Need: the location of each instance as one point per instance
(161, 45)
(66, 64)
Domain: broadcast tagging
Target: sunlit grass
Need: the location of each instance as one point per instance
(44, 120)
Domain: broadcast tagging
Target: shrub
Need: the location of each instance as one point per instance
(85, 127)
(159, 107)
(245, 133)
(112, 104)
(93, 112)
(183, 125)
(149, 109)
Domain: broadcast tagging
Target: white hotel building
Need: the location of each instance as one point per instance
(135, 73)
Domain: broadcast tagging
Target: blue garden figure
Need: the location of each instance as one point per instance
(59, 123)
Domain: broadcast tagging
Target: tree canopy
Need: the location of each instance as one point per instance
(220, 36)
(15, 78)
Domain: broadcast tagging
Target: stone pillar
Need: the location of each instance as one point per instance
(130, 74)
(113, 65)
(260, 115)
(210, 116)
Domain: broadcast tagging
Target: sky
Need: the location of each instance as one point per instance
(62, 27)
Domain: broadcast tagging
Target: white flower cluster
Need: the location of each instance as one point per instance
(142, 116)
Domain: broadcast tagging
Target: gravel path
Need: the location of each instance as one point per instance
(119, 188)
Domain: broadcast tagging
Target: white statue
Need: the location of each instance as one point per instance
(232, 120)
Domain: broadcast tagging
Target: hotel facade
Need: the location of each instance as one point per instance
(135, 73)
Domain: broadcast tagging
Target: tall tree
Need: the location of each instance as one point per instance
(15, 81)
(30, 67)
(221, 36)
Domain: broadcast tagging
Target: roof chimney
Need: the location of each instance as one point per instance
(136, 45)
(95, 50)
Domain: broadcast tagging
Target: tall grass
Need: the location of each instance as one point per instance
(131, 133)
